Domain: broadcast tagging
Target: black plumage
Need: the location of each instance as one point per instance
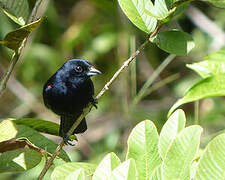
(68, 92)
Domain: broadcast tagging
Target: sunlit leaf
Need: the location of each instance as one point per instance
(181, 153)
(19, 160)
(212, 162)
(8, 130)
(157, 174)
(143, 148)
(171, 128)
(135, 11)
(77, 175)
(106, 166)
(125, 171)
(208, 87)
(14, 39)
(61, 172)
(175, 42)
(17, 10)
(213, 64)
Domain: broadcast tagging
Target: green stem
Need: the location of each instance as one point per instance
(196, 104)
(152, 78)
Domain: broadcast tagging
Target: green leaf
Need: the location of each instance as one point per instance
(106, 166)
(216, 56)
(143, 148)
(171, 128)
(208, 68)
(175, 42)
(217, 3)
(8, 130)
(135, 11)
(62, 171)
(125, 171)
(180, 155)
(39, 140)
(77, 175)
(208, 87)
(157, 174)
(212, 162)
(17, 10)
(158, 11)
(14, 39)
(19, 160)
(213, 64)
(40, 125)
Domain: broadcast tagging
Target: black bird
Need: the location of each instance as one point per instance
(68, 92)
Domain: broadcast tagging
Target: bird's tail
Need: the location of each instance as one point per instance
(67, 122)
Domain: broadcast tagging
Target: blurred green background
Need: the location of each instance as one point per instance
(99, 32)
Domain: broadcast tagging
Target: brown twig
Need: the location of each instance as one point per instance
(100, 94)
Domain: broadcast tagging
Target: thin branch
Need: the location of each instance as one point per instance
(17, 54)
(100, 94)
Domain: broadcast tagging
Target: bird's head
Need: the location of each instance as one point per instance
(80, 68)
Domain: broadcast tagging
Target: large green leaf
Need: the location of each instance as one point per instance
(40, 125)
(143, 148)
(14, 39)
(171, 128)
(157, 174)
(61, 172)
(213, 64)
(181, 153)
(212, 162)
(217, 3)
(125, 171)
(106, 166)
(39, 140)
(17, 10)
(77, 175)
(208, 87)
(19, 160)
(175, 42)
(135, 11)
(8, 130)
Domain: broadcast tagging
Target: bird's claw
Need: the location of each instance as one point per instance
(94, 102)
(67, 140)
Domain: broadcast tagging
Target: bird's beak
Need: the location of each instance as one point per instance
(93, 71)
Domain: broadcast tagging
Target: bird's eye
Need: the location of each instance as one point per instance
(79, 69)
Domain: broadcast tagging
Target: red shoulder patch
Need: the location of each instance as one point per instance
(49, 86)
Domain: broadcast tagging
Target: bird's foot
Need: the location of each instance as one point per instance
(67, 140)
(94, 102)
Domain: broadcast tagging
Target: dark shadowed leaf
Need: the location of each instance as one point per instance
(39, 140)
(175, 42)
(19, 160)
(39, 125)
(217, 3)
